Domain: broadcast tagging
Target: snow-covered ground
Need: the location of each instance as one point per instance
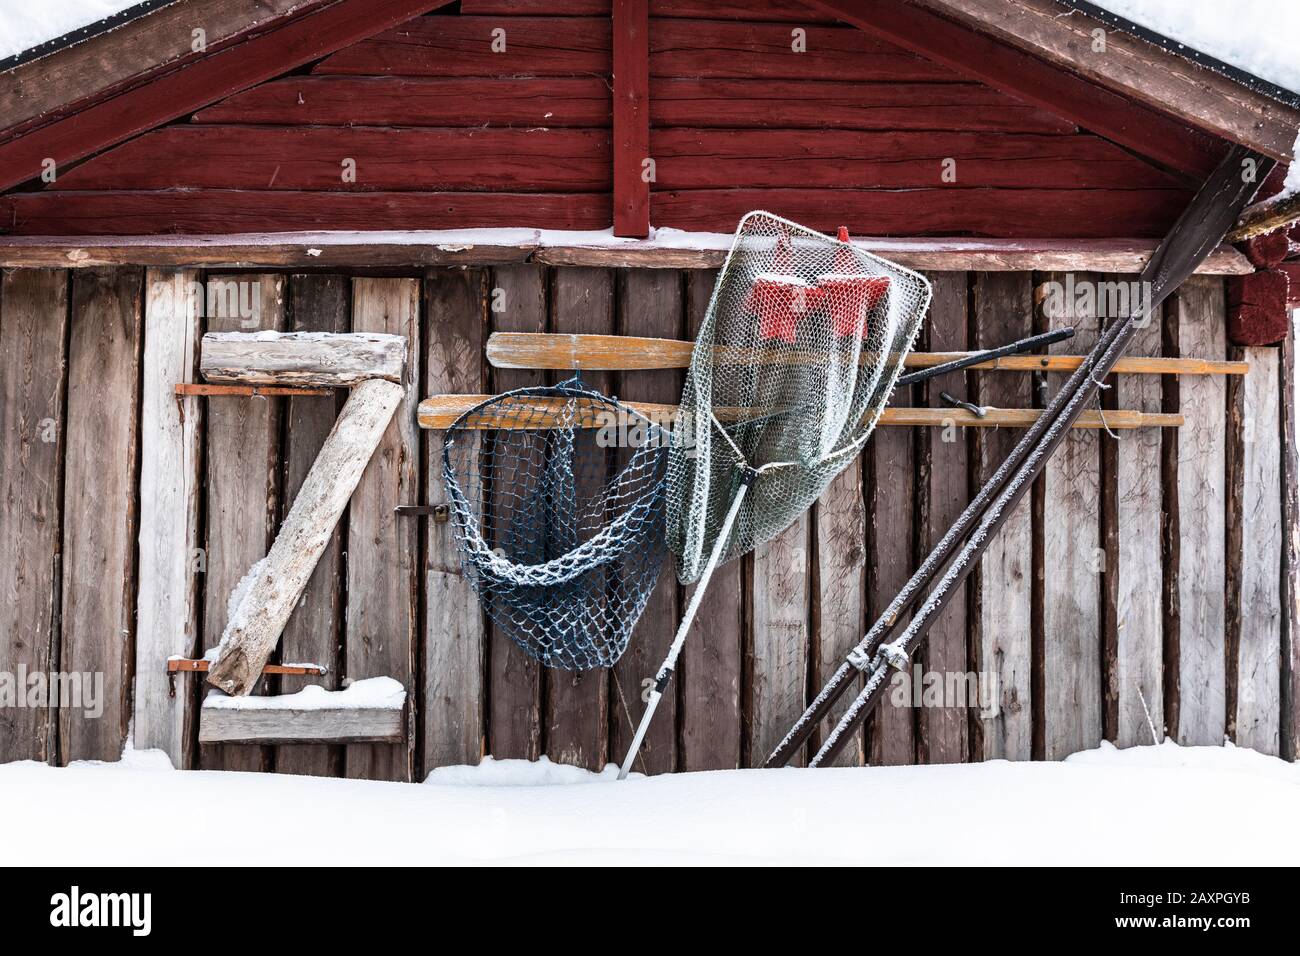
(1148, 805)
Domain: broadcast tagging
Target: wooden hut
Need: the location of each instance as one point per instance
(446, 171)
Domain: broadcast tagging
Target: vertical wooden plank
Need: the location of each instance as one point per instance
(33, 368)
(631, 117)
(1290, 677)
(517, 303)
(1003, 304)
(839, 588)
(712, 658)
(1202, 496)
(1136, 574)
(243, 481)
(319, 303)
(1258, 717)
(942, 731)
(779, 665)
(891, 486)
(383, 550)
(167, 599)
(455, 638)
(1072, 555)
(577, 705)
(649, 303)
(99, 505)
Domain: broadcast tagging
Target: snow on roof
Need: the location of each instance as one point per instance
(1255, 36)
(25, 24)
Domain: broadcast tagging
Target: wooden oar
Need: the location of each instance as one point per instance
(549, 350)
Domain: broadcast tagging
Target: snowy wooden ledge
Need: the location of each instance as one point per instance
(367, 711)
(261, 604)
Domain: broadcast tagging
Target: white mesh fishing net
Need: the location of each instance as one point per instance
(803, 340)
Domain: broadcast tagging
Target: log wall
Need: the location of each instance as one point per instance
(501, 114)
(1151, 578)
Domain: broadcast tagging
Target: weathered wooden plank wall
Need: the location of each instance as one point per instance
(388, 597)
(100, 505)
(171, 487)
(1002, 614)
(318, 303)
(33, 348)
(383, 549)
(1072, 556)
(243, 483)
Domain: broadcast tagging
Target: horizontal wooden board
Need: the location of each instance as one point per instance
(352, 159)
(463, 46)
(555, 350)
(841, 159)
(419, 248)
(718, 48)
(1007, 213)
(584, 101)
(528, 101)
(833, 104)
(216, 212)
(696, 9)
(441, 411)
(266, 725)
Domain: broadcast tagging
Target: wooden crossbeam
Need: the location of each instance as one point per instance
(546, 350)
(258, 391)
(186, 665)
(440, 411)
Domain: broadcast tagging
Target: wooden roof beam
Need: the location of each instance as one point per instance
(1133, 67)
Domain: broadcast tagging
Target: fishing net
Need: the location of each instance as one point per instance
(557, 504)
(803, 340)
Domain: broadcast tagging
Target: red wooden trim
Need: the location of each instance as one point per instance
(311, 158)
(217, 75)
(993, 213)
(631, 21)
(227, 211)
(1149, 132)
(549, 101)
